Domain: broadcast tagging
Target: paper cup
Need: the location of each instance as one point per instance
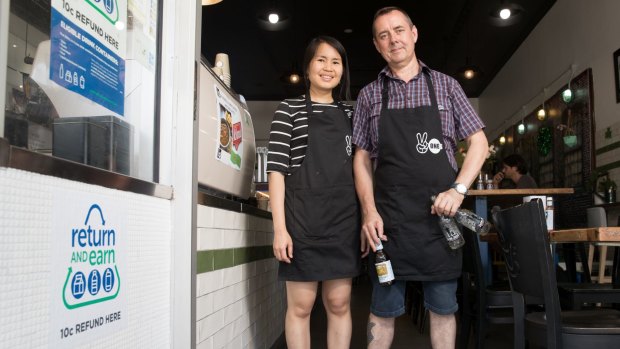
(221, 61)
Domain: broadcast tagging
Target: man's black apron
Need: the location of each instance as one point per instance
(321, 208)
(412, 165)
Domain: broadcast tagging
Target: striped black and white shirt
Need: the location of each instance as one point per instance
(288, 138)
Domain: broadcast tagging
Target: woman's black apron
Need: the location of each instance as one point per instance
(321, 207)
(412, 165)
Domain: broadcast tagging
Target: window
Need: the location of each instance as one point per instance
(81, 82)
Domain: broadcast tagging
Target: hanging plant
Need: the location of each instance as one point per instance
(544, 141)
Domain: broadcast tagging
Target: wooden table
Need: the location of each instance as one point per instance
(505, 198)
(609, 236)
(600, 235)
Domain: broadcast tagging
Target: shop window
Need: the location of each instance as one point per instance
(81, 82)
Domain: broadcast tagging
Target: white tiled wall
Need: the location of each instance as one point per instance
(242, 306)
(25, 282)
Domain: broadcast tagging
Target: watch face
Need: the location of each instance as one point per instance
(460, 188)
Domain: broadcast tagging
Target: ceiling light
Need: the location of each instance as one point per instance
(521, 128)
(567, 95)
(14, 45)
(541, 114)
(505, 13)
(273, 18)
(294, 78)
(502, 140)
(291, 76)
(348, 31)
(469, 71)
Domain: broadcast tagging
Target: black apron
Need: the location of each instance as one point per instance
(321, 208)
(412, 165)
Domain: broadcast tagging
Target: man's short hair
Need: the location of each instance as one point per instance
(515, 160)
(386, 10)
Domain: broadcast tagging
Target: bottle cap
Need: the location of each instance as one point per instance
(379, 246)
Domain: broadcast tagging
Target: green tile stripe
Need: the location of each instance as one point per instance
(607, 148)
(609, 166)
(211, 260)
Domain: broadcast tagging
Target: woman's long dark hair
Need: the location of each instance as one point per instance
(343, 89)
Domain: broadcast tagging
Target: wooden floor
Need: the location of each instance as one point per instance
(407, 334)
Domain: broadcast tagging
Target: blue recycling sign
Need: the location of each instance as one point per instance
(81, 63)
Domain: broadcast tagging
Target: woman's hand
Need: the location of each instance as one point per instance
(283, 246)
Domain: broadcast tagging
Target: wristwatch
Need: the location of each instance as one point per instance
(460, 188)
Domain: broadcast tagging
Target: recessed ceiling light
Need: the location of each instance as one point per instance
(273, 18)
(504, 13)
(507, 14)
(14, 45)
(348, 30)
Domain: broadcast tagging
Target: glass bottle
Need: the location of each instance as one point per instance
(480, 183)
(470, 220)
(451, 232)
(383, 266)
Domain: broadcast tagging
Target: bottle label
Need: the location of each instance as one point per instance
(384, 271)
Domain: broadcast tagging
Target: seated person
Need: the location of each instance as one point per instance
(514, 168)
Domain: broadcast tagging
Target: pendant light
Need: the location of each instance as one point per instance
(292, 76)
(468, 71)
(521, 128)
(27, 59)
(542, 112)
(502, 139)
(567, 94)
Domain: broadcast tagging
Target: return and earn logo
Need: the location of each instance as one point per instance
(93, 253)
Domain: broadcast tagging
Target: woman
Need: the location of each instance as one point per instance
(315, 210)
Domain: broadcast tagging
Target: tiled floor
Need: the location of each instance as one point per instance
(407, 334)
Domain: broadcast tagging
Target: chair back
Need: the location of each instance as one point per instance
(525, 245)
(597, 217)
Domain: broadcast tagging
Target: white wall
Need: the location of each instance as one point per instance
(585, 33)
(262, 113)
(240, 306)
(26, 290)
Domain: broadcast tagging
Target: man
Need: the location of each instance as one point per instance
(406, 126)
(515, 169)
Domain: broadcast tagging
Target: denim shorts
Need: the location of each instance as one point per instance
(389, 301)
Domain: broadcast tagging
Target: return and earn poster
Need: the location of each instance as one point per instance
(88, 49)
